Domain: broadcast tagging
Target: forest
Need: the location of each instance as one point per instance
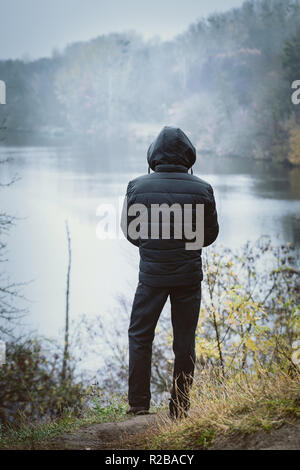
(227, 79)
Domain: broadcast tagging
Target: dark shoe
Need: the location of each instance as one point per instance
(137, 411)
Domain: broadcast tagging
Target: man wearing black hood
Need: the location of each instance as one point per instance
(167, 268)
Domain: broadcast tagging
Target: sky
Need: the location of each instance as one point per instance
(34, 28)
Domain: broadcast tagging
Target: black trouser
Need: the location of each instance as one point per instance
(147, 306)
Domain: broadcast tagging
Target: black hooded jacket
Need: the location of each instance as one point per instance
(167, 262)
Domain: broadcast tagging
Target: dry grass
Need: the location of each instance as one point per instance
(238, 404)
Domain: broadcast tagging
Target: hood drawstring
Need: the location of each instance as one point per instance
(192, 171)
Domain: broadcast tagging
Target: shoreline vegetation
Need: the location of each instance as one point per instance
(223, 412)
(247, 369)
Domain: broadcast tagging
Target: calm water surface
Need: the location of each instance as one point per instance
(62, 184)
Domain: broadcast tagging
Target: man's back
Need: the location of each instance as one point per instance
(165, 261)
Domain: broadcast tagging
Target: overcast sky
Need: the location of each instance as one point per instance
(34, 27)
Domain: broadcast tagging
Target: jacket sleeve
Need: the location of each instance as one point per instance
(211, 226)
(125, 218)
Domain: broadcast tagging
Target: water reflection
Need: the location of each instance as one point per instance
(253, 199)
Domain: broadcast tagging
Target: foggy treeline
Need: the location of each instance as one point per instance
(226, 80)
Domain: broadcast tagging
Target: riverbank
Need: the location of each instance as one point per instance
(241, 412)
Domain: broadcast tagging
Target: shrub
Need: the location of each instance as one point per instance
(31, 385)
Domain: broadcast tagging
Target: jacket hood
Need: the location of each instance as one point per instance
(171, 147)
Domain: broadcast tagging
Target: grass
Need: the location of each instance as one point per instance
(240, 404)
(32, 435)
(221, 408)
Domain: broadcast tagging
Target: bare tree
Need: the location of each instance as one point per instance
(66, 344)
(9, 291)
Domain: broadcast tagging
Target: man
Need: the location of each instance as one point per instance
(167, 267)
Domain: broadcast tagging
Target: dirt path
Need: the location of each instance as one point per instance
(286, 437)
(120, 435)
(129, 435)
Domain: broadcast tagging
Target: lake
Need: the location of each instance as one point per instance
(58, 184)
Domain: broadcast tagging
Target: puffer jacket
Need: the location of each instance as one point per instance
(167, 262)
